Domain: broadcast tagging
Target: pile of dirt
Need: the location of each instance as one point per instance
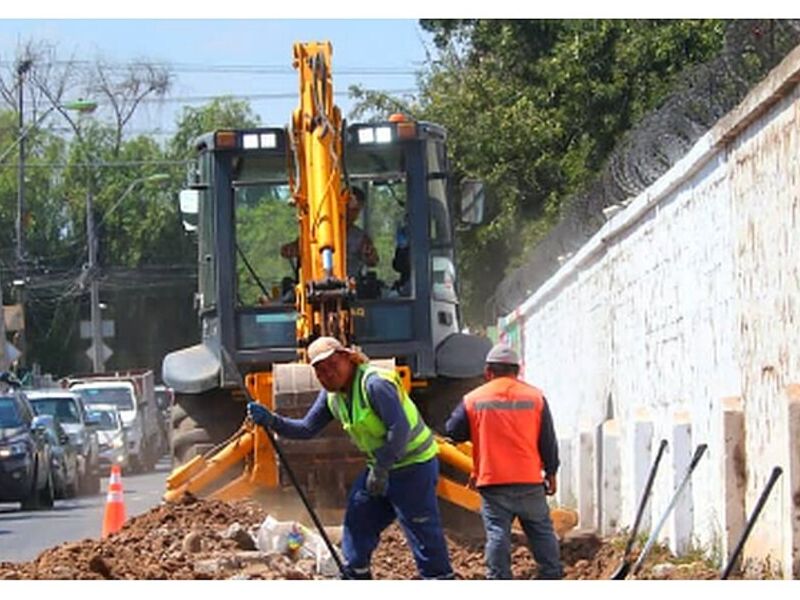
(210, 539)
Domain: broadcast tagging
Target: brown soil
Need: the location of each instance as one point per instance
(190, 540)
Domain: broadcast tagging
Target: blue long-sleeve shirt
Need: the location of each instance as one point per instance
(382, 396)
(457, 428)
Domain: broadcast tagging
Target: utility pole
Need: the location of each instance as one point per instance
(22, 67)
(98, 363)
(3, 358)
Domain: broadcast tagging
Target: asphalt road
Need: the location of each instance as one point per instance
(25, 534)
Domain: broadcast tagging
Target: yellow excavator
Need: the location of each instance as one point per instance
(319, 187)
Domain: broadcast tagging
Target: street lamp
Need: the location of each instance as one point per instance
(96, 351)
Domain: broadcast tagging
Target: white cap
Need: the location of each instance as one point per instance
(324, 347)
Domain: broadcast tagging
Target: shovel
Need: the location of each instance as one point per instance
(776, 472)
(622, 570)
(698, 453)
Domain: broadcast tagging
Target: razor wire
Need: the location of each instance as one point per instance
(703, 95)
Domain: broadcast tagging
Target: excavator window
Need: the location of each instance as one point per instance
(263, 218)
(383, 215)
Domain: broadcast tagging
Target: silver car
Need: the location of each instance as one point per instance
(111, 435)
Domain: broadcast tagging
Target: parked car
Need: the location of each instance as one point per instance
(25, 473)
(63, 458)
(68, 408)
(111, 435)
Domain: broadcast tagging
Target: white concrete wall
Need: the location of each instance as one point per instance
(687, 297)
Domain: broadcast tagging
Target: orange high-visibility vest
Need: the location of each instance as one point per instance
(505, 416)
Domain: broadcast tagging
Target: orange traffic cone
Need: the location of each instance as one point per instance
(114, 517)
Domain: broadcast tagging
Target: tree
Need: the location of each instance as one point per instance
(534, 109)
(218, 114)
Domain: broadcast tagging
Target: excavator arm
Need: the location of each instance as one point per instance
(323, 292)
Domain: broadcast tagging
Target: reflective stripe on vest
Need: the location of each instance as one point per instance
(365, 427)
(505, 419)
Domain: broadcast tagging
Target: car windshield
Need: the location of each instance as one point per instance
(108, 420)
(119, 397)
(64, 409)
(9, 415)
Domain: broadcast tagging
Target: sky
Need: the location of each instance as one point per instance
(376, 47)
(245, 58)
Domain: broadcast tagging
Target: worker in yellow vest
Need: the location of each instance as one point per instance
(402, 469)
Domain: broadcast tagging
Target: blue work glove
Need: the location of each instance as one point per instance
(377, 481)
(260, 415)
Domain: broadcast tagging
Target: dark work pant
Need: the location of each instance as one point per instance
(500, 504)
(411, 498)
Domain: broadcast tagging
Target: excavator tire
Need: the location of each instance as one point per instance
(436, 402)
(201, 421)
(441, 395)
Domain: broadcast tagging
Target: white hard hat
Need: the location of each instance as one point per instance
(502, 354)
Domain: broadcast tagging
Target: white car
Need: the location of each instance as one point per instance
(111, 435)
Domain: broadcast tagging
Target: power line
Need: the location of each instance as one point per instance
(253, 69)
(103, 165)
(267, 96)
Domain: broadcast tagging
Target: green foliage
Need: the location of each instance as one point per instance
(535, 107)
(218, 114)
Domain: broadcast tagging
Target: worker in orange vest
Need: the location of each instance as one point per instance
(515, 455)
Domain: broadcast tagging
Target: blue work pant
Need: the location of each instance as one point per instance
(499, 505)
(411, 498)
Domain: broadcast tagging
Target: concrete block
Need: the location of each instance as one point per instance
(566, 496)
(585, 470)
(643, 456)
(682, 518)
(611, 478)
(734, 472)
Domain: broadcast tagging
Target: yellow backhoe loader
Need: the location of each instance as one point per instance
(276, 270)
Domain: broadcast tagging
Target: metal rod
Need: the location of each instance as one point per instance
(776, 473)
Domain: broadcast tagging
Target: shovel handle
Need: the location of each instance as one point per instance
(773, 478)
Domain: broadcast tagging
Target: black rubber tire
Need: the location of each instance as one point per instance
(440, 397)
(40, 498)
(32, 501)
(46, 495)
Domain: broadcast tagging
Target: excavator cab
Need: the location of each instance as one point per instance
(245, 219)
